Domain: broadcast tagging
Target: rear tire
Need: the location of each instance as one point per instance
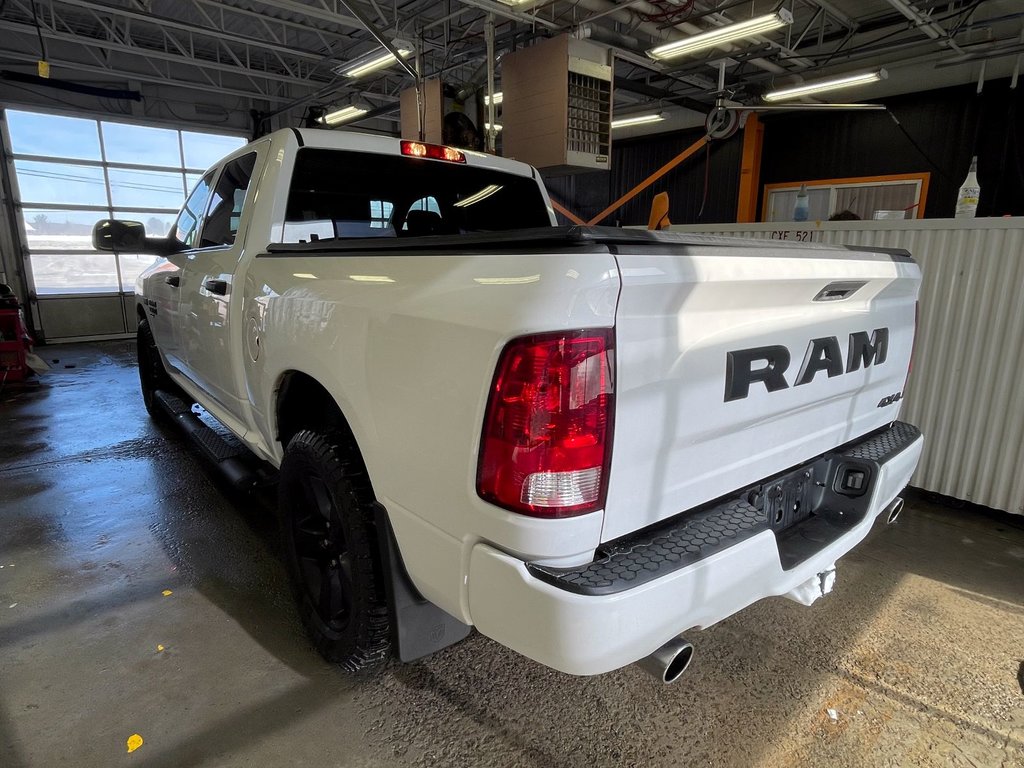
(330, 549)
(152, 375)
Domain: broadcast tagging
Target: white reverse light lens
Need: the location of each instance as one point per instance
(562, 489)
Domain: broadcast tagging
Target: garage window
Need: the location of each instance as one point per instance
(73, 171)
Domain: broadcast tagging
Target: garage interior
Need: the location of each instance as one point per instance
(142, 596)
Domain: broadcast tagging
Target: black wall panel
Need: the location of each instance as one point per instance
(943, 129)
(633, 160)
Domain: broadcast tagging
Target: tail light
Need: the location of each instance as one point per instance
(547, 433)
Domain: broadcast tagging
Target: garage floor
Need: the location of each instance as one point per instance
(116, 542)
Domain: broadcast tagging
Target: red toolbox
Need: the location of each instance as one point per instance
(15, 341)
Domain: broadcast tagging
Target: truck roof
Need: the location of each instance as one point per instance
(386, 145)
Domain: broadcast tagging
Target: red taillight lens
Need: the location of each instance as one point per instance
(547, 433)
(433, 151)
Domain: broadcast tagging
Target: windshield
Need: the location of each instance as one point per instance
(339, 194)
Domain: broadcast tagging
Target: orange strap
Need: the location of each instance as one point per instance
(566, 212)
(650, 180)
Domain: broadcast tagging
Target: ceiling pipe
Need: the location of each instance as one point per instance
(508, 12)
(590, 31)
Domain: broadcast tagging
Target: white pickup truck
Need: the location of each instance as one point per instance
(584, 442)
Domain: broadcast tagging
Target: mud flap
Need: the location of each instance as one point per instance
(418, 627)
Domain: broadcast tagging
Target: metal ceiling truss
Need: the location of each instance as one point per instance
(282, 52)
(171, 50)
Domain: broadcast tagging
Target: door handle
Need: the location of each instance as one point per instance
(219, 287)
(840, 290)
(173, 280)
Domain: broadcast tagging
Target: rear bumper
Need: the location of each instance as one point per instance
(552, 622)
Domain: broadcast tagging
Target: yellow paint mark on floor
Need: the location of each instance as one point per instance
(134, 742)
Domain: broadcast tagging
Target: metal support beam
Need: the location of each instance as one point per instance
(159, 78)
(923, 23)
(211, 31)
(835, 13)
(152, 54)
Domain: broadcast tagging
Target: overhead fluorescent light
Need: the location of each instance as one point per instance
(831, 84)
(373, 61)
(716, 37)
(514, 3)
(497, 98)
(623, 122)
(344, 115)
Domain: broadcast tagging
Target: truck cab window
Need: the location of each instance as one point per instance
(339, 194)
(187, 226)
(226, 203)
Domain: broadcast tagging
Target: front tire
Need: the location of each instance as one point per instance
(152, 375)
(330, 548)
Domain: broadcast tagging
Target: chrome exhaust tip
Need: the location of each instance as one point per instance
(670, 661)
(894, 510)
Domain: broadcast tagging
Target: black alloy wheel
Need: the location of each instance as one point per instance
(330, 549)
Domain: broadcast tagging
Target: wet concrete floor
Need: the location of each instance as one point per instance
(116, 541)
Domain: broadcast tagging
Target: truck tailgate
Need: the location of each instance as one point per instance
(706, 400)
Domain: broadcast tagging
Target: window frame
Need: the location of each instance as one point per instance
(121, 287)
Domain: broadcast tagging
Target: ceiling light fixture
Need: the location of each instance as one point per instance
(344, 115)
(374, 60)
(624, 122)
(722, 35)
(831, 84)
(487, 126)
(497, 98)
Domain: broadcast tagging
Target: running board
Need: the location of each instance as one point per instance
(222, 449)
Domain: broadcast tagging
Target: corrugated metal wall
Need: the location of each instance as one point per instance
(966, 392)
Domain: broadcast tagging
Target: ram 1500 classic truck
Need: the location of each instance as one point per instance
(584, 442)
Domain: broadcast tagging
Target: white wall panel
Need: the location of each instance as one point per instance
(966, 391)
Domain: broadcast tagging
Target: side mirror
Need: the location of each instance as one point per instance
(130, 237)
(116, 235)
